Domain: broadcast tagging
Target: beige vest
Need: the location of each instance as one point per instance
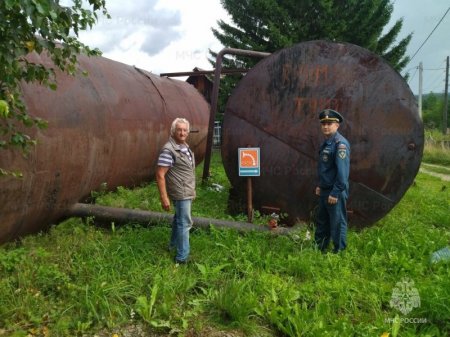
(180, 179)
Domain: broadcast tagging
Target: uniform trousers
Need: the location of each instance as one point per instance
(331, 223)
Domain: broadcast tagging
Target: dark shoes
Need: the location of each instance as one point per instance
(181, 262)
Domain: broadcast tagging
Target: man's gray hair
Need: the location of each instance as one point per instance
(179, 121)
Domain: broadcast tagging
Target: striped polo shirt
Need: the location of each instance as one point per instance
(166, 159)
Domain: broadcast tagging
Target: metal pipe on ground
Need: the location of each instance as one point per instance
(125, 215)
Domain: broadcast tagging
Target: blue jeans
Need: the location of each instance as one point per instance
(331, 223)
(181, 224)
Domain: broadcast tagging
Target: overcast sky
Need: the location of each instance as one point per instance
(175, 35)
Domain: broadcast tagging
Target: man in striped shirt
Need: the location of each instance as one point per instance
(175, 177)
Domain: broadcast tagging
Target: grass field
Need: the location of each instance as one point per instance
(82, 280)
(435, 151)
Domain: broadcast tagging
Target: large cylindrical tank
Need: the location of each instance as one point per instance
(276, 105)
(107, 127)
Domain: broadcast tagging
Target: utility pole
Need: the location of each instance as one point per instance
(420, 88)
(444, 114)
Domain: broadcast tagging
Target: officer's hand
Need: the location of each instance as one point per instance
(332, 200)
(318, 191)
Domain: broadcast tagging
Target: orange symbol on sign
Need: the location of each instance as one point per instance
(249, 158)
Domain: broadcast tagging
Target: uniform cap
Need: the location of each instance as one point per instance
(329, 115)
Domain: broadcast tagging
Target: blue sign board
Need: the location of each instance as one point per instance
(249, 162)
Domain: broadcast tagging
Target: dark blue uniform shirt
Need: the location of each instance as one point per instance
(334, 166)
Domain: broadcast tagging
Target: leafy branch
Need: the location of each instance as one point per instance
(37, 26)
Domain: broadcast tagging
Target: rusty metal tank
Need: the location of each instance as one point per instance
(275, 107)
(107, 127)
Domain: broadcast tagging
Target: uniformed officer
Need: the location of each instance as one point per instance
(333, 171)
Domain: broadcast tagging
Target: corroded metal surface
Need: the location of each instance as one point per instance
(104, 128)
(275, 107)
(215, 95)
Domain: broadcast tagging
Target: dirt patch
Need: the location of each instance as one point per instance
(428, 170)
(141, 330)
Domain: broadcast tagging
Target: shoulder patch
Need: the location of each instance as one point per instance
(342, 146)
(342, 153)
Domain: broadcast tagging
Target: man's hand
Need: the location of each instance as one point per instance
(161, 182)
(318, 191)
(165, 204)
(332, 200)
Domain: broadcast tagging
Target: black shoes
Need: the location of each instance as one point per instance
(180, 261)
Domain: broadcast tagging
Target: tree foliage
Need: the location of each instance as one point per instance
(270, 25)
(432, 111)
(28, 26)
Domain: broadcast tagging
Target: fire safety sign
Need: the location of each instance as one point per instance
(249, 164)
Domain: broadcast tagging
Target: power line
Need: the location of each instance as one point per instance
(448, 9)
(408, 70)
(411, 78)
(435, 81)
(436, 89)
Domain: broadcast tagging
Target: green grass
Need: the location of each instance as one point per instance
(436, 155)
(434, 151)
(79, 279)
(437, 168)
